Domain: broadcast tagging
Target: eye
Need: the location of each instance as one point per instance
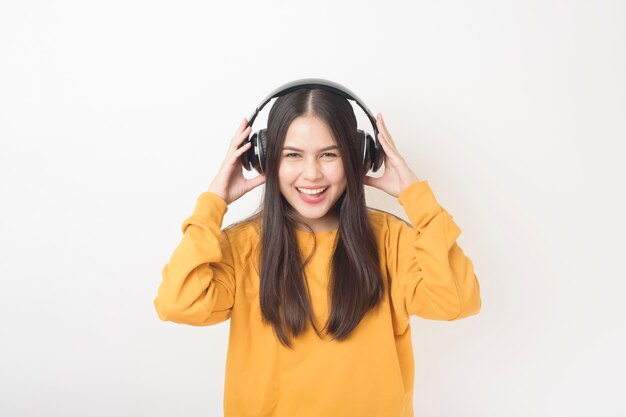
(290, 155)
(329, 154)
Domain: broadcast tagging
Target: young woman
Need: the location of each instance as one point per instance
(318, 287)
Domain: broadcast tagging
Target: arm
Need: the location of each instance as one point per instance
(431, 276)
(198, 285)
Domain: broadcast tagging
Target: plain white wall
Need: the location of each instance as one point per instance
(114, 117)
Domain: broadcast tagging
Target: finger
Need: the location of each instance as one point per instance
(241, 126)
(235, 155)
(371, 181)
(382, 123)
(383, 128)
(239, 138)
(240, 151)
(256, 181)
(389, 150)
(392, 156)
(388, 147)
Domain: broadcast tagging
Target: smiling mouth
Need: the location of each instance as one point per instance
(316, 191)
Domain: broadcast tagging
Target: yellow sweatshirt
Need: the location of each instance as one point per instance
(212, 276)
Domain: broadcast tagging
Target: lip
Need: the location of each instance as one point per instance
(312, 188)
(312, 200)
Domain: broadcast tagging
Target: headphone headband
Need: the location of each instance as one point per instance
(315, 83)
(254, 157)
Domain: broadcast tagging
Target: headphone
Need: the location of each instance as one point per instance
(255, 156)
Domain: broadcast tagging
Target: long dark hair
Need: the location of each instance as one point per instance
(355, 282)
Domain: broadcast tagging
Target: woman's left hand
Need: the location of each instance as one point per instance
(397, 176)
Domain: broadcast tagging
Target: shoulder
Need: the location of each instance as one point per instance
(243, 238)
(383, 221)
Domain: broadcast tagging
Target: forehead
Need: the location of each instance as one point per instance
(308, 132)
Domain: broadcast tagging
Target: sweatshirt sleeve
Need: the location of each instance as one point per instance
(431, 276)
(198, 286)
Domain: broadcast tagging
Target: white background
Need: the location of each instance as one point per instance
(114, 117)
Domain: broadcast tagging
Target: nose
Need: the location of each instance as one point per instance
(311, 170)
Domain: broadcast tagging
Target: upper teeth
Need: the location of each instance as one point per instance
(311, 191)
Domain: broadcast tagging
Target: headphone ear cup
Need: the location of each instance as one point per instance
(254, 157)
(262, 149)
(365, 150)
(376, 152)
(247, 157)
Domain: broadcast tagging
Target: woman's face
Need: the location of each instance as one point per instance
(310, 160)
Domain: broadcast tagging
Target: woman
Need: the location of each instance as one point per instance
(318, 287)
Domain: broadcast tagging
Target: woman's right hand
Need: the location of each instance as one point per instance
(229, 183)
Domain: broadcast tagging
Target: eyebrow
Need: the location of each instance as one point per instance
(328, 148)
